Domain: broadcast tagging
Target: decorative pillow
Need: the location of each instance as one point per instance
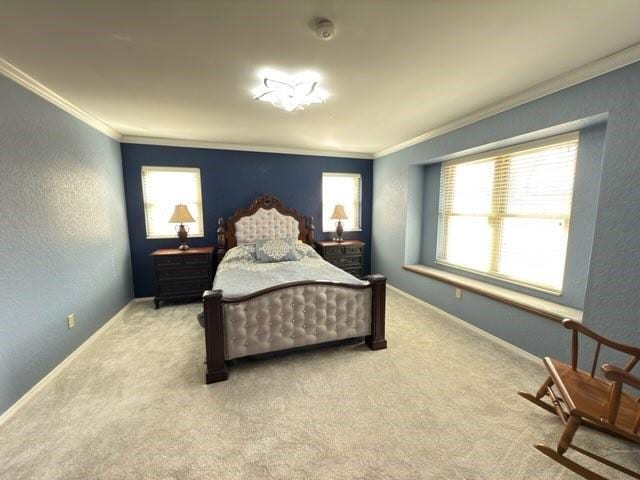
(276, 250)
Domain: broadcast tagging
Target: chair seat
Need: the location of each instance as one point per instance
(588, 397)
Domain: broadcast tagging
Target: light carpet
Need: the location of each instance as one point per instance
(440, 402)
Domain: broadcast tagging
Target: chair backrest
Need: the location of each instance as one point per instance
(633, 352)
(618, 376)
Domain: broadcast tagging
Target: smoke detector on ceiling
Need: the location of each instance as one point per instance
(324, 29)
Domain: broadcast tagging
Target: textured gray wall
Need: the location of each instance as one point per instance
(612, 300)
(64, 243)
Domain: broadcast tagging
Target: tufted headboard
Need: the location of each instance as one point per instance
(266, 217)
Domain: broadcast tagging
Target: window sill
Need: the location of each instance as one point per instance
(333, 230)
(545, 308)
(500, 278)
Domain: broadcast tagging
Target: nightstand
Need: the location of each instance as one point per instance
(182, 274)
(347, 255)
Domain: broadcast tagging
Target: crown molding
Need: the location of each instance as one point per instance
(21, 78)
(175, 142)
(591, 70)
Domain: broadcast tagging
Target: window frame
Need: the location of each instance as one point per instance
(162, 168)
(494, 256)
(342, 174)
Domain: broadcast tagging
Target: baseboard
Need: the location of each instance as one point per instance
(142, 299)
(478, 330)
(33, 391)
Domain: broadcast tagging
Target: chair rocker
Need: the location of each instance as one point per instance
(581, 398)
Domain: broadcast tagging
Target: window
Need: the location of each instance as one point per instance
(165, 187)
(506, 214)
(344, 189)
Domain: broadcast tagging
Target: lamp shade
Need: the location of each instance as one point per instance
(338, 213)
(181, 215)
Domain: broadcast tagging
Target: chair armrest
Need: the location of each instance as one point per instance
(616, 374)
(621, 347)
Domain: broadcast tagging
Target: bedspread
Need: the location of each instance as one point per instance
(240, 274)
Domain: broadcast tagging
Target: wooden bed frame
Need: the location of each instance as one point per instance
(214, 300)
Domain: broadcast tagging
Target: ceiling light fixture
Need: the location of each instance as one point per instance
(289, 92)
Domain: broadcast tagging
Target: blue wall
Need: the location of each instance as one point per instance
(612, 301)
(231, 180)
(65, 247)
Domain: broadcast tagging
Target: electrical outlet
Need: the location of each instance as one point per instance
(458, 293)
(71, 320)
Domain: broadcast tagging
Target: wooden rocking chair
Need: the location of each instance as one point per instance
(581, 398)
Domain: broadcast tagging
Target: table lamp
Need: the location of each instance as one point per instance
(180, 215)
(339, 214)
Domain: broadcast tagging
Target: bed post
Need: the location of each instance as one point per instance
(376, 340)
(214, 336)
(222, 240)
(311, 231)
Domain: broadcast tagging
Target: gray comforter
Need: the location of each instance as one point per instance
(239, 273)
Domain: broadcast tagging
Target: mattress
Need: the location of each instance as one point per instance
(240, 274)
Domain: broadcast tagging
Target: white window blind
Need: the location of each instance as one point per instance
(165, 187)
(344, 189)
(507, 213)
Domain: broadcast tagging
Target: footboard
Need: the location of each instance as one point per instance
(290, 316)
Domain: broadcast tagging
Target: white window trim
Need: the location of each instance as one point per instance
(343, 174)
(495, 153)
(144, 202)
(516, 148)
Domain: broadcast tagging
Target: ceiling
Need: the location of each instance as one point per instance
(396, 69)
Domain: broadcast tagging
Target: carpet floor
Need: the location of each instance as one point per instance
(440, 402)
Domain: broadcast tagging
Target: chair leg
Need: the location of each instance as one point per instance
(537, 398)
(542, 391)
(567, 435)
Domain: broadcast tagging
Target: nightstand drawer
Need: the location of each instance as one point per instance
(340, 250)
(170, 289)
(197, 259)
(346, 261)
(349, 250)
(168, 261)
(333, 251)
(356, 272)
(174, 273)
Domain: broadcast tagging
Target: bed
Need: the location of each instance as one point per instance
(257, 308)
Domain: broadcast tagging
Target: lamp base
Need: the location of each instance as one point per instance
(182, 236)
(339, 230)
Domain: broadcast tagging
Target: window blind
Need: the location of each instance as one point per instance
(344, 189)
(165, 187)
(507, 213)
